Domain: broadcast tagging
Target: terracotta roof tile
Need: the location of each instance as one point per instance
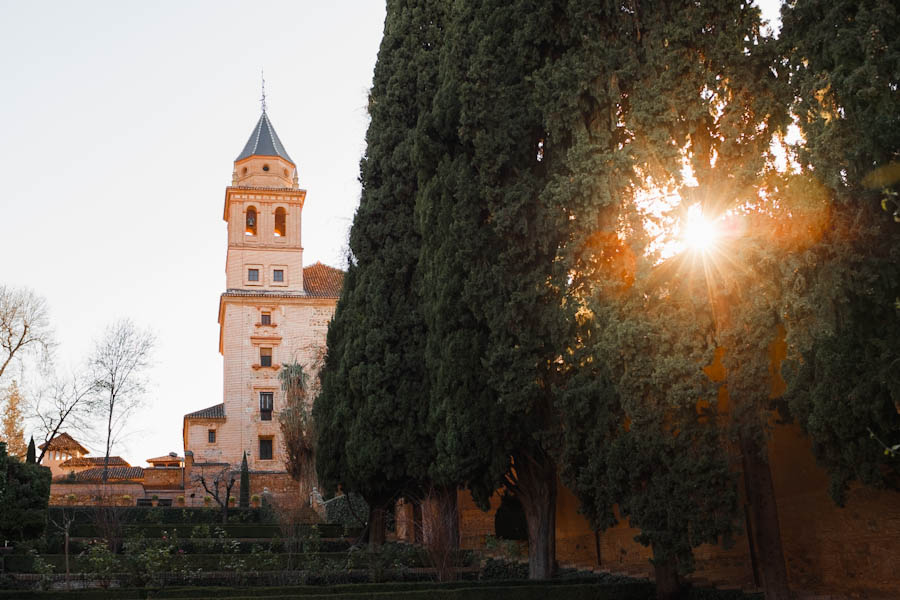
(212, 412)
(115, 474)
(95, 461)
(322, 281)
(167, 458)
(64, 441)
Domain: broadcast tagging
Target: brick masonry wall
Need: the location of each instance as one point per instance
(163, 479)
(828, 549)
(86, 494)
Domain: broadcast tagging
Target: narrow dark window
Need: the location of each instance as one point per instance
(266, 400)
(280, 222)
(278, 275)
(211, 436)
(265, 357)
(252, 274)
(265, 319)
(265, 448)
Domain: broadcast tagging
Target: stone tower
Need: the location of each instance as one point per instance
(273, 311)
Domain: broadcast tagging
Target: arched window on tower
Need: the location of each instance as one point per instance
(280, 222)
(250, 229)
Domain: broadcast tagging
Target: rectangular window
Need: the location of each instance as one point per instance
(211, 436)
(252, 274)
(278, 275)
(265, 357)
(266, 318)
(266, 401)
(265, 448)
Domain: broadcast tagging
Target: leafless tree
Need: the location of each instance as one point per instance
(64, 526)
(63, 402)
(297, 428)
(109, 519)
(118, 368)
(218, 485)
(440, 531)
(24, 325)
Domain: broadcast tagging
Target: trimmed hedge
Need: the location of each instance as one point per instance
(412, 591)
(232, 530)
(595, 588)
(84, 515)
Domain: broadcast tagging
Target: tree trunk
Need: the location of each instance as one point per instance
(68, 584)
(668, 584)
(764, 515)
(417, 522)
(536, 487)
(376, 526)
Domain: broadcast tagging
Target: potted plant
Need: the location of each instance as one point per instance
(155, 500)
(231, 501)
(254, 500)
(71, 498)
(180, 500)
(206, 500)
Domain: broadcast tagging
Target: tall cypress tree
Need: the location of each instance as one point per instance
(244, 495)
(495, 320)
(386, 449)
(844, 388)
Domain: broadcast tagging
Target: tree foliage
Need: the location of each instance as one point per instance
(372, 411)
(24, 494)
(13, 431)
(844, 335)
(295, 420)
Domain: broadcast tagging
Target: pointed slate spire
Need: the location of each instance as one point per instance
(264, 141)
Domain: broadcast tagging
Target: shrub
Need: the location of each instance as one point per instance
(102, 562)
(350, 510)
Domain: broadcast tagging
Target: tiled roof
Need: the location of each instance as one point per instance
(64, 441)
(213, 412)
(167, 458)
(115, 474)
(322, 281)
(95, 461)
(264, 142)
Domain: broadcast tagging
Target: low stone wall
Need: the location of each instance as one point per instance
(123, 493)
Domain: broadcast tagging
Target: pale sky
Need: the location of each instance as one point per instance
(119, 125)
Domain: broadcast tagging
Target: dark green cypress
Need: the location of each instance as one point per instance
(244, 496)
(32, 452)
(495, 325)
(844, 388)
(384, 450)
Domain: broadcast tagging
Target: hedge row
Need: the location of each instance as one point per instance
(413, 591)
(612, 588)
(212, 562)
(242, 530)
(203, 545)
(85, 515)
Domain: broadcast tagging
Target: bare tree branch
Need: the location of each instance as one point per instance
(62, 403)
(211, 483)
(24, 325)
(117, 366)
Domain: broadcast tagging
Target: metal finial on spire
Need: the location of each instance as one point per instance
(262, 100)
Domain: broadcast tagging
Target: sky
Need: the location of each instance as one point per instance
(119, 125)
